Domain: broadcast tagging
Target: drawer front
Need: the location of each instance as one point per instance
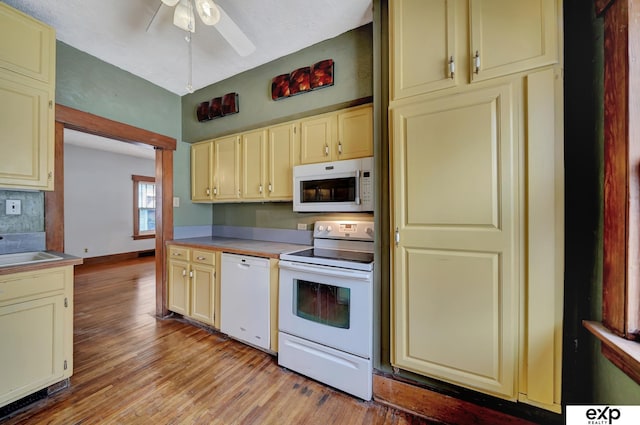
(203, 257)
(178, 253)
(27, 284)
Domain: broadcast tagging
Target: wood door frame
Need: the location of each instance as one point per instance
(75, 119)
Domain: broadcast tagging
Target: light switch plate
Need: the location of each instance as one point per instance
(13, 207)
(176, 201)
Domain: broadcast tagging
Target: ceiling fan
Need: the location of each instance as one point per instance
(210, 13)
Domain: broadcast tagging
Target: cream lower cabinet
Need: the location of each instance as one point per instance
(27, 90)
(192, 283)
(477, 216)
(36, 330)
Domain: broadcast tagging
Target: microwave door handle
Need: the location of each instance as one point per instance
(357, 200)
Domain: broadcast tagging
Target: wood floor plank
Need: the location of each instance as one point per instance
(132, 368)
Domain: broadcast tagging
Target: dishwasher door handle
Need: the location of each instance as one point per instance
(244, 266)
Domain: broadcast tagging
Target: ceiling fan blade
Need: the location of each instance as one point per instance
(233, 34)
(153, 18)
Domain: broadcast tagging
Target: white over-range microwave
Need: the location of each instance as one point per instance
(337, 186)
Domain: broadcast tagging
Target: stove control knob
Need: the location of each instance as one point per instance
(329, 229)
(369, 231)
(320, 228)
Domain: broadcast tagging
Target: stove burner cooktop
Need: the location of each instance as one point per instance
(334, 254)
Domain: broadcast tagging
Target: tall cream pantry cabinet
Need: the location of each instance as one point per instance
(477, 194)
(27, 90)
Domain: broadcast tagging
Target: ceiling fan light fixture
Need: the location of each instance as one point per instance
(208, 11)
(170, 3)
(183, 16)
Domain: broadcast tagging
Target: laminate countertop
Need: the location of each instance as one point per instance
(256, 248)
(64, 260)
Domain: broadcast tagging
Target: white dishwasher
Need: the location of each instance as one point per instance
(244, 299)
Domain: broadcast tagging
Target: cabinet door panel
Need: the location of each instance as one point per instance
(317, 139)
(226, 158)
(454, 176)
(32, 349)
(283, 146)
(512, 36)
(179, 287)
(355, 133)
(253, 164)
(27, 47)
(26, 140)
(422, 45)
(202, 171)
(202, 293)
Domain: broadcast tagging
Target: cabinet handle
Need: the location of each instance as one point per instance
(184, 272)
(215, 191)
(326, 150)
(476, 63)
(177, 254)
(260, 189)
(191, 273)
(208, 192)
(397, 236)
(270, 188)
(50, 176)
(339, 148)
(201, 258)
(452, 68)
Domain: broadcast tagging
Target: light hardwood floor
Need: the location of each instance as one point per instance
(132, 368)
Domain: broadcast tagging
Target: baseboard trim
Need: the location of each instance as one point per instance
(435, 406)
(114, 258)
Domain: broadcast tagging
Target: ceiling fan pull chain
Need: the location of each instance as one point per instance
(190, 64)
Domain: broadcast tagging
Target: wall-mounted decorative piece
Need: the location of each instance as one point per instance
(218, 107)
(302, 80)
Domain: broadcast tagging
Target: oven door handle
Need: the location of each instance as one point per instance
(325, 270)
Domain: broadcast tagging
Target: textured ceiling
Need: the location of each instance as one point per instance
(115, 32)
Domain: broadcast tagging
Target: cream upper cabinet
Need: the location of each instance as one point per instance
(254, 173)
(355, 133)
(345, 134)
(226, 168)
(511, 36)
(436, 44)
(27, 46)
(283, 153)
(27, 90)
(423, 48)
(202, 171)
(317, 139)
(455, 182)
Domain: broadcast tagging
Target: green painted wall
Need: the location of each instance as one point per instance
(353, 57)
(86, 83)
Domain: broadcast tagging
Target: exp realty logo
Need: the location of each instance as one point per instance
(603, 415)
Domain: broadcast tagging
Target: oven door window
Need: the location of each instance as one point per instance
(329, 190)
(322, 303)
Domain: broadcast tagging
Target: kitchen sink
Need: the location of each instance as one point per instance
(26, 258)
